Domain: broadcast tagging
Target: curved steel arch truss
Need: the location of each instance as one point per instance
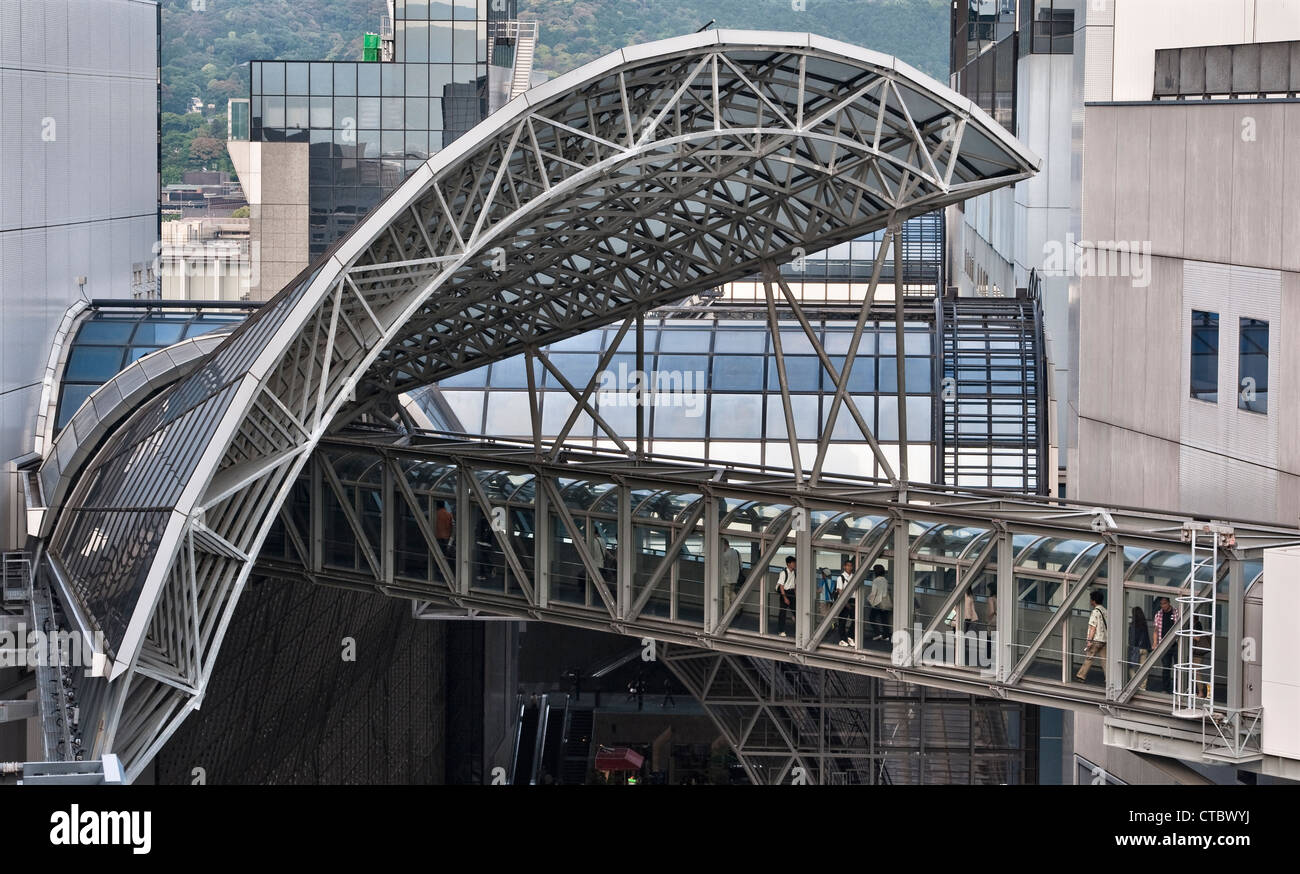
(640, 179)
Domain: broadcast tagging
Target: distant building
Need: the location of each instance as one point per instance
(318, 143)
(193, 199)
(205, 259)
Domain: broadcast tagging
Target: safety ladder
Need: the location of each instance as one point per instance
(1194, 665)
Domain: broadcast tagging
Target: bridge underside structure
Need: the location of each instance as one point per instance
(638, 180)
(523, 547)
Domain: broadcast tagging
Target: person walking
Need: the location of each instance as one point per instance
(444, 526)
(728, 573)
(785, 594)
(882, 605)
(1139, 642)
(844, 623)
(1096, 646)
(1166, 622)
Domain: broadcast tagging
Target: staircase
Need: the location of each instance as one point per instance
(525, 48)
(991, 422)
(577, 746)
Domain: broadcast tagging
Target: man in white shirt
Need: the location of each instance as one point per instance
(785, 595)
(1096, 646)
(844, 624)
(728, 573)
(882, 605)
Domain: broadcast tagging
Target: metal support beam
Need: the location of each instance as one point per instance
(896, 234)
(1116, 622)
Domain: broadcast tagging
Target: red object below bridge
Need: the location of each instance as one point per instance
(618, 759)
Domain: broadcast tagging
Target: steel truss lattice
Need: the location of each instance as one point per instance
(641, 179)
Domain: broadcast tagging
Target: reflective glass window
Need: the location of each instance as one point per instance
(345, 79)
(803, 373)
(105, 331)
(159, 333)
(322, 79)
(678, 418)
(737, 373)
(1205, 356)
(93, 363)
(273, 77)
(296, 80)
(1252, 366)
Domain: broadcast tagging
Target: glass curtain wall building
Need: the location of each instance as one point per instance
(321, 142)
(369, 124)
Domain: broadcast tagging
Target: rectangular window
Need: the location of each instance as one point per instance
(1252, 366)
(1205, 356)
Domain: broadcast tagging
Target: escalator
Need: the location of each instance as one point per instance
(552, 741)
(577, 746)
(522, 772)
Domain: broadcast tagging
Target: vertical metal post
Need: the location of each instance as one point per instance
(625, 550)
(387, 523)
(1008, 607)
(901, 568)
(1236, 629)
(896, 233)
(1116, 629)
(541, 546)
(804, 595)
(712, 561)
(464, 532)
(317, 544)
(640, 384)
(534, 410)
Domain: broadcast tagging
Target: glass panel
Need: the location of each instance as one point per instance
(740, 341)
(345, 79)
(464, 43)
(322, 79)
(73, 396)
(802, 372)
(296, 78)
(273, 77)
(679, 340)
(737, 373)
(296, 113)
(735, 416)
(417, 41)
(322, 112)
(368, 80)
(93, 363)
(105, 331)
(1252, 366)
(440, 42)
(1205, 356)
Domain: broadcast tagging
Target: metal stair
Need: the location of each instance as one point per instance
(525, 48)
(991, 422)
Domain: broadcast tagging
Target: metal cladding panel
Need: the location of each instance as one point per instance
(100, 163)
(11, 29)
(55, 15)
(80, 35)
(11, 151)
(31, 125)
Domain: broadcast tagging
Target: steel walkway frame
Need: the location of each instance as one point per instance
(640, 179)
